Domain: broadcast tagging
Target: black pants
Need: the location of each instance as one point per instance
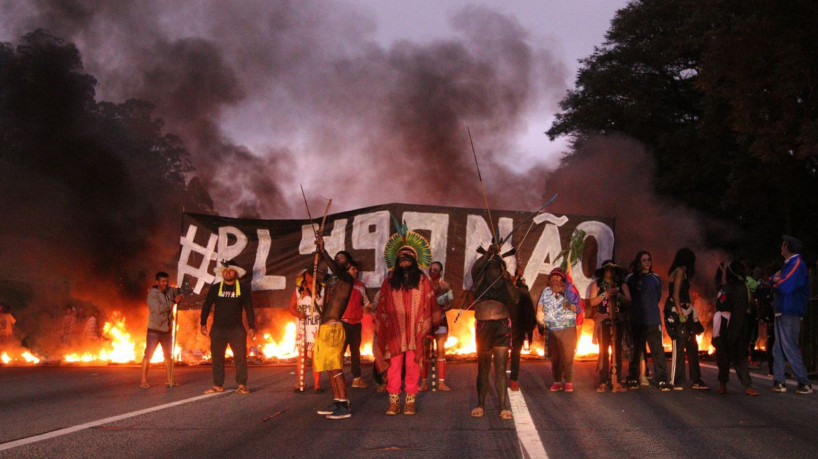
(353, 341)
(237, 339)
(517, 339)
(689, 346)
(735, 355)
(652, 334)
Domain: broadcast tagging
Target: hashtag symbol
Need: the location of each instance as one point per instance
(208, 253)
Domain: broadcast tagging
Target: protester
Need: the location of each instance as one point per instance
(6, 324)
(731, 329)
(523, 322)
(307, 322)
(444, 297)
(557, 312)
(354, 314)
(646, 321)
(494, 297)
(230, 298)
(682, 321)
(330, 339)
(404, 316)
(609, 300)
(69, 323)
(161, 298)
(791, 287)
(91, 329)
(766, 313)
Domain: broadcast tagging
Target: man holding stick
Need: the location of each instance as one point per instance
(329, 342)
(160, 301)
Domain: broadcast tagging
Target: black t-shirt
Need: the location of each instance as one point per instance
(228, 306)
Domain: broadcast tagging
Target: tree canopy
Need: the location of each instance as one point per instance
(723, 95)
(88, 184)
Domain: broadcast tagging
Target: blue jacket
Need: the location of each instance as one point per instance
(792, 290)
(646, 292)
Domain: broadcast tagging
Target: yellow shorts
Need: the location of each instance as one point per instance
(329, 347)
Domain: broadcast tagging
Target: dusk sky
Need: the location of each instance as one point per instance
(275, 88)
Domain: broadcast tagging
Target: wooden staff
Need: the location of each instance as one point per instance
(483, 185)
(313, 293)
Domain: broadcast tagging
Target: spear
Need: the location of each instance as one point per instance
(313, 292)
(483, 185)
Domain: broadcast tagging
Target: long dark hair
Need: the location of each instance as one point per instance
(636, 266)
(686, 258)
(405, 279)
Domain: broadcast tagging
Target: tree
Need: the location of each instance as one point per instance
(721, 92)
(92, 188)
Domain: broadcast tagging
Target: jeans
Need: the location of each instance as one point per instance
(653, 335)
(787, 329)
(155, 338)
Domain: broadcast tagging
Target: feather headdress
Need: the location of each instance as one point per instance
(404, 239)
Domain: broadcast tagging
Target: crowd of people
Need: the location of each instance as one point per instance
(410, 326)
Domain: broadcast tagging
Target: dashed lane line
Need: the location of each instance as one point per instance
(530, 443)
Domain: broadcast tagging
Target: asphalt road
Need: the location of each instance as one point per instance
(275, 422)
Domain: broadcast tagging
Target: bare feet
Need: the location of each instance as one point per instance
(144, 385)
(506, 414)
(477, 412)
(214, 389)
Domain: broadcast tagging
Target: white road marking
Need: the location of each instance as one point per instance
(88, 425)
(530, 443)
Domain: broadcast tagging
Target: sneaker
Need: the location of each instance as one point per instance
(665, 386)
(700, 385)
(678, 387)
(778, 387)
(804, 389)
(328, 410)
(359, 383)
(751, 392)
(556, 387)
(341, 411)
(569, 387)
(632, 384)
(514, 385)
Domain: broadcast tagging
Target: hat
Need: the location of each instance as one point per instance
(608, 264)
(558, 272)
(223, 265)
(793, 245)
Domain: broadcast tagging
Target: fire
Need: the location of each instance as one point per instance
(19, 356)
(285, 348)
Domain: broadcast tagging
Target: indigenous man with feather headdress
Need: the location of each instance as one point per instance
(404, 315)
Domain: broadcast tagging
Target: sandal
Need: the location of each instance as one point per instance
(214, 390)
(506, 414)
(144, 386)
(477, 412)
(243, 390)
